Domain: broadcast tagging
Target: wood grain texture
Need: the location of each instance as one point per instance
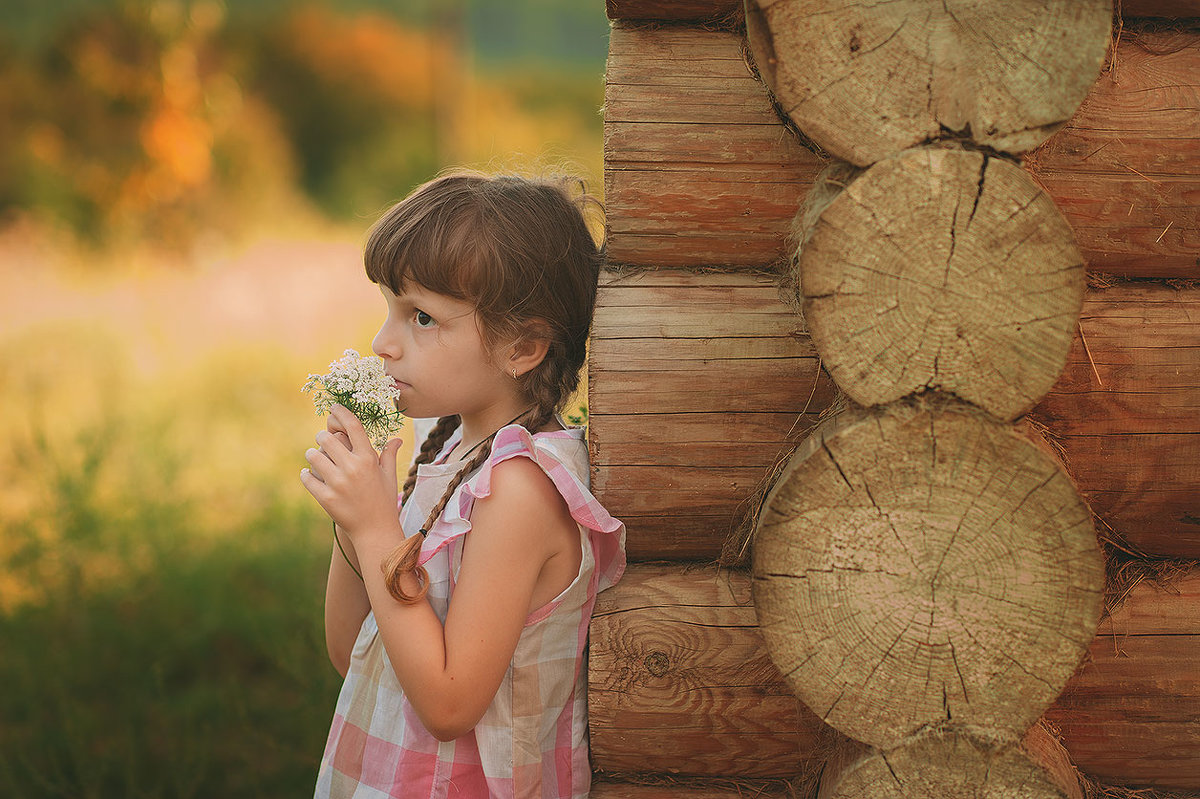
(1126, 413)
(1134, 144)
(950, 762)
(697, 384)
(942, 269)
(1129, 716)
(712, 709)
(1132, 713)
(668, 789)
(867, 81)
(675, 10)
(705, 10)
(921, 564)
(697, 167)
(700, 172)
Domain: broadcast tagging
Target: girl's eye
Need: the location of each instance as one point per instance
(423, 319)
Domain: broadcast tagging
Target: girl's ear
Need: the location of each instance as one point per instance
(528, 351)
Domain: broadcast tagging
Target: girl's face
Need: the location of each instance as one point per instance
(432, 347)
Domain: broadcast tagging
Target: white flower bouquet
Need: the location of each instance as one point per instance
(361, 385)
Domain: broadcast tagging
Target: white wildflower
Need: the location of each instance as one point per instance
(364, 388)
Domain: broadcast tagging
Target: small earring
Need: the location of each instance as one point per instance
(514, 373)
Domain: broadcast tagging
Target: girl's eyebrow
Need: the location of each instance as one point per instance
(434, 304)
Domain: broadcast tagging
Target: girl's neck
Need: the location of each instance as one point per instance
(475, 429)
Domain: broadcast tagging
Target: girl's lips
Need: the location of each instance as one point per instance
(400, 384)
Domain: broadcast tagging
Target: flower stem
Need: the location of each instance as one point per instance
(337, 540)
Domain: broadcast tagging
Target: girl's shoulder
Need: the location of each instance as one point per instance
(565, 445)
(563, 457)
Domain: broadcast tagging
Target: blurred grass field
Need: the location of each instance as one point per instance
(180, 234)
(161, 569)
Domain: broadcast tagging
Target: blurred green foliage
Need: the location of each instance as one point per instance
(161, 571)
(160, 583)
(127, 122)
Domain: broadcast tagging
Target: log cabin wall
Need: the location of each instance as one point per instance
(702, 379)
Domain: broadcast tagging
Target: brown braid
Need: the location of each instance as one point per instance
(403, 559)
(439, 434)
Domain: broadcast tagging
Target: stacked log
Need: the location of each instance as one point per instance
(948, 763)
(917, 566)
(943, 270)
(708, 11)
(866, 81)
(699, 173)
(703, 382)
(678, 662)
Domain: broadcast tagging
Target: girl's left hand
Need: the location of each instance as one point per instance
(355, 485)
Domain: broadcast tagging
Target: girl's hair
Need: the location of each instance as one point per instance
(520, 251)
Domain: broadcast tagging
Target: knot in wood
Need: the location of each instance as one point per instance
(657, 663)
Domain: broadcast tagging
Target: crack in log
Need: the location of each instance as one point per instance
(953, 243)
(933, 447)
(978, 190)
(825, 717)
(891, 36)
(883, 658)
(961, 681)
(819, 92)
(896, 533)
(1021, 208)
(1054, 690)
(892, 771)
(833, 460)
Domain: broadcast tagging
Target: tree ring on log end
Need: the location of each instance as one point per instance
(922, 563)
(949, 762)
(864, 80)
(942, 269)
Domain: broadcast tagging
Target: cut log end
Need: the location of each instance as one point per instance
(867, 80)
(953, 763)
(916, 565)
(943, 269)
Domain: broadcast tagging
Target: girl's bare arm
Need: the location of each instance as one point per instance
(346, 605)
(346, 602)
(451, 673)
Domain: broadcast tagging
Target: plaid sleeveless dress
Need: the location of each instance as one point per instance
(532, 740)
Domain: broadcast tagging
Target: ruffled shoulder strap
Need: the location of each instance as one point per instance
(562, 455)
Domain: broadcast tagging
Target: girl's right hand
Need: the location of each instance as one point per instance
(355, 484)
(335, 427)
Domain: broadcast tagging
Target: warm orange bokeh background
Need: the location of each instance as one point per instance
(185, 186)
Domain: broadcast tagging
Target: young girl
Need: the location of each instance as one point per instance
(463, 642)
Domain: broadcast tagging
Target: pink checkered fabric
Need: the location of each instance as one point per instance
(532, 740)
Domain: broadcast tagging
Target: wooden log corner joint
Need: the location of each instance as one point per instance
(924, 610)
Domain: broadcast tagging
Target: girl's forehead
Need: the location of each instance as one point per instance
(416, 294)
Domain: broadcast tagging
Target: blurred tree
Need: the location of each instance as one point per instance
(128, 126)
(355, 96)
(158, 121)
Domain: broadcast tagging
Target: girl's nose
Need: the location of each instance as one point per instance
(385, 344)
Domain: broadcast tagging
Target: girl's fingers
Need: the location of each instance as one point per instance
(319, 461)
(353, 428)
(315, 486)
(387, 459)
(336, 446)
(336, 429)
